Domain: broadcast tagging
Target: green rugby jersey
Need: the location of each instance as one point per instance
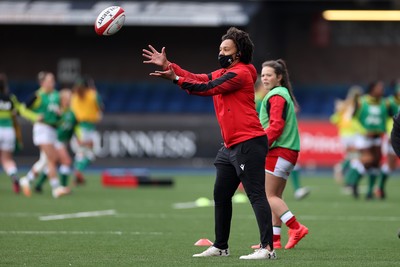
(372, 114)
(6, 109)
(66, 127)
(394, 105)
(290, 137)
(48, 105)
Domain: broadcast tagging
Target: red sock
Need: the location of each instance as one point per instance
(276, 238)
(293, 223)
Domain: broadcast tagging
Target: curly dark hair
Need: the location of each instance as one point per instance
(243, 43)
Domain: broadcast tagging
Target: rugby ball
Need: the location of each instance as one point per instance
(110, 20)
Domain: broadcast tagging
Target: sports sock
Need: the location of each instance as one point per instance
(372, 174)
(295, 175)
(355, 172)
(276, 233)
(290, 220)
(42, 179)
(54, 182)
(385, 172)
(352, 177)
(382, 180)
(64, 174)
(30, 175)
(81, 164)
(12, 173)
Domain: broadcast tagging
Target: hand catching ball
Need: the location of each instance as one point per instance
(110, 20)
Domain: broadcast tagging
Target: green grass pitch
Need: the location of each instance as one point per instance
(145, 229)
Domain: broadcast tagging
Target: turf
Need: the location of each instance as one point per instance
(147, 231)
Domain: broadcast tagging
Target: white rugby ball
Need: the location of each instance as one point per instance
(110, 20)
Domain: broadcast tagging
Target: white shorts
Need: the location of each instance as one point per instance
(44, 134)
(7, 139)
(279, 167)
(364, 142)
(349, 141)
(86, 135)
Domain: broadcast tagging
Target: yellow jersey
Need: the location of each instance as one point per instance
(86, 108)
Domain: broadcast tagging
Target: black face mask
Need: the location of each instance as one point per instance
(225, 61)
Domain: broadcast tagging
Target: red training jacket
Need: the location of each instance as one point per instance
(233, 95)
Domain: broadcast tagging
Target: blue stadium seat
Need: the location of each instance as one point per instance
(162, 97)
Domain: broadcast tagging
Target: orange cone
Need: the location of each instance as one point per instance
(203, 242)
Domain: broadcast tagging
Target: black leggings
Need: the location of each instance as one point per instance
(244, 162)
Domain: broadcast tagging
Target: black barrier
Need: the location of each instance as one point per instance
(146, 140)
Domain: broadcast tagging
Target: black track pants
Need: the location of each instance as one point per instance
(244, 162)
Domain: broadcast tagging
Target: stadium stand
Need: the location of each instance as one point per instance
(316, 101)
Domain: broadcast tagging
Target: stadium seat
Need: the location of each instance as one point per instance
(160, 97)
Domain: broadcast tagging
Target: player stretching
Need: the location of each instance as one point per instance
(278, 117)
(46, 102)
(65, 131)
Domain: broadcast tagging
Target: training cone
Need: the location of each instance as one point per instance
(203, 242)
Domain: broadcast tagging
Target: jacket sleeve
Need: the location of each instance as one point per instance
(228, 82)
(277, 118)
(184, 73)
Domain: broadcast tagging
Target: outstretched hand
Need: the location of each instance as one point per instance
(167, 74)
(155, 57)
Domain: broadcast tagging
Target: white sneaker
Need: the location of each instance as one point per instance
(260, 254)
(25, 186)
(301, 193)
(60, 191)
(213, 251)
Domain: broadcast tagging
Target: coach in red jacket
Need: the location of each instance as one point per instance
(242, 158)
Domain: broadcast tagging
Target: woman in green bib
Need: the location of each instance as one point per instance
(46, 102)
(372, 113)
(278, 118)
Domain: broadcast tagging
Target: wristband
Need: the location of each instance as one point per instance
(176, 79)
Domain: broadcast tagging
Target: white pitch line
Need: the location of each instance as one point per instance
(76, 233)
(185, 205)
(189, 205)
(85, 214)
(350, 218)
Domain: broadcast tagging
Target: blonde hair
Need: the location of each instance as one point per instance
(351, 98)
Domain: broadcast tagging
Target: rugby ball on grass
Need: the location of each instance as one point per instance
(110, 20)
